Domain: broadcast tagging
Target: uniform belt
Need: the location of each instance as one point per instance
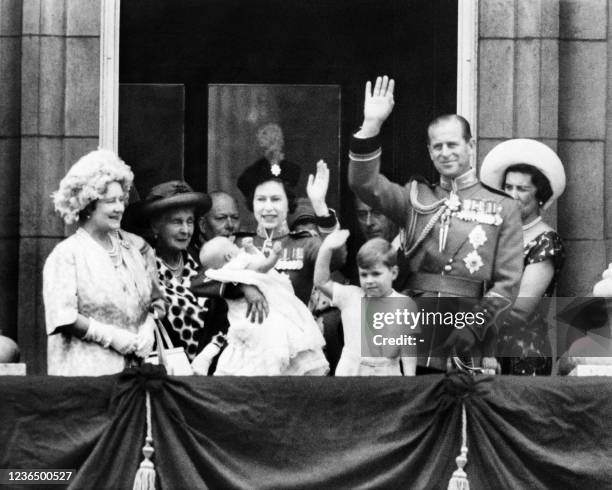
(446, 285)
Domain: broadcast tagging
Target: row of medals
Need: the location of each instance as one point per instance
(290, 259)
(475, 210)
(487, 212)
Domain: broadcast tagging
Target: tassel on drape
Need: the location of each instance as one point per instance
(459, 480)
(145, 476)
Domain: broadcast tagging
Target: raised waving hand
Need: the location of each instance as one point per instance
(377, 106)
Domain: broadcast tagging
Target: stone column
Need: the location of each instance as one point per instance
(518, 74)
(583, 80)
(543, 74)
(10, 119)
(59, 123)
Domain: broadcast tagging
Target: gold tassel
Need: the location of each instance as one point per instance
(145, 476)
(459, 480)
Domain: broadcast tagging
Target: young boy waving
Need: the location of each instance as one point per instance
(377, 262)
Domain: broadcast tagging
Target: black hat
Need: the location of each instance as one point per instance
(262, 171)
(174, 194)
(168, 195)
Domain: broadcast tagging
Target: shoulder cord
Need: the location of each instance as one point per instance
(428, 227)
(422, 209)
(417, 206)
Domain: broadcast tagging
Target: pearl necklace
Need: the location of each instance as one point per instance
(531, 224)
(178, 268)
(114, 246)
(113, 253)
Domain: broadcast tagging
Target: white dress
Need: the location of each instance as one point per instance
(288, 342)
(79, 277)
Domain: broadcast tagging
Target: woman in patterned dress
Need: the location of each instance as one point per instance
(99, 286)
(531, 173)
(170, 209)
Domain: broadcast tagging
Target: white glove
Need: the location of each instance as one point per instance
(146, 337)
(202, 361)
(107, 336)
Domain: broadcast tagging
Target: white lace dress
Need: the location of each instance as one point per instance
(288, 342)
(79, 277)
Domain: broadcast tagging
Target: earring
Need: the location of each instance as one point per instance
(541, 203)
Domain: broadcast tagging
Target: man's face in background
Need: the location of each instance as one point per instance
(223, 218)
(374, 224)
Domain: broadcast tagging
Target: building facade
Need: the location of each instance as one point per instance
(543, 71)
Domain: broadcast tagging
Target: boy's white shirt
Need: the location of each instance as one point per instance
(348, 300)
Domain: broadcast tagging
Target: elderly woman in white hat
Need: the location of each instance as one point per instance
(99, 285)
(533, 174)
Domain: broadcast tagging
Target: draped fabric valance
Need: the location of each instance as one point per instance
(288, 433)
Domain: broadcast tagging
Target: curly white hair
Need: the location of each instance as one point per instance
(87, 181)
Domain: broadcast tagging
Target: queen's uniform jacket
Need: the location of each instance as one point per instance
(461, 239)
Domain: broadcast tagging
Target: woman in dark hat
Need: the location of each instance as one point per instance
(170, 209)
(533, 174)
(269, 192)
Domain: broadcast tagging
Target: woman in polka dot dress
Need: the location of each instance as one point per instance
(170, 208)
(533, 174)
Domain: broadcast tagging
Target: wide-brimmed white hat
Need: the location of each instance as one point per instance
(530, 152)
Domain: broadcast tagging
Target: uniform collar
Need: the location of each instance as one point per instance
(279, 233)
(465, 180)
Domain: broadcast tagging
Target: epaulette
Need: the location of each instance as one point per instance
(421, 180)
(303, 234)
(416, 204)
(496, 191)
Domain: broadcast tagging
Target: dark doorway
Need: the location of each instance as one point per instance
(340, 42)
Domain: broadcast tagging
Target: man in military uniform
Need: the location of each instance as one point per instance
(460, 238)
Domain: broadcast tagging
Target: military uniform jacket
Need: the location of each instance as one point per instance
(483, 238)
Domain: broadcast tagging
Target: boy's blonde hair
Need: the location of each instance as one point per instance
(375, 251)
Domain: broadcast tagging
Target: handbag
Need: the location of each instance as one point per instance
(172, 358)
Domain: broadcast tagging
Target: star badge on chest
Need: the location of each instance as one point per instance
(477, 237)
(473, 261)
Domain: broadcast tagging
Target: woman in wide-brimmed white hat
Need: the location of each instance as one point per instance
(533, 174)
(99, 285)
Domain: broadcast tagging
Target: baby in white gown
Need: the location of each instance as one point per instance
(289, 341)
